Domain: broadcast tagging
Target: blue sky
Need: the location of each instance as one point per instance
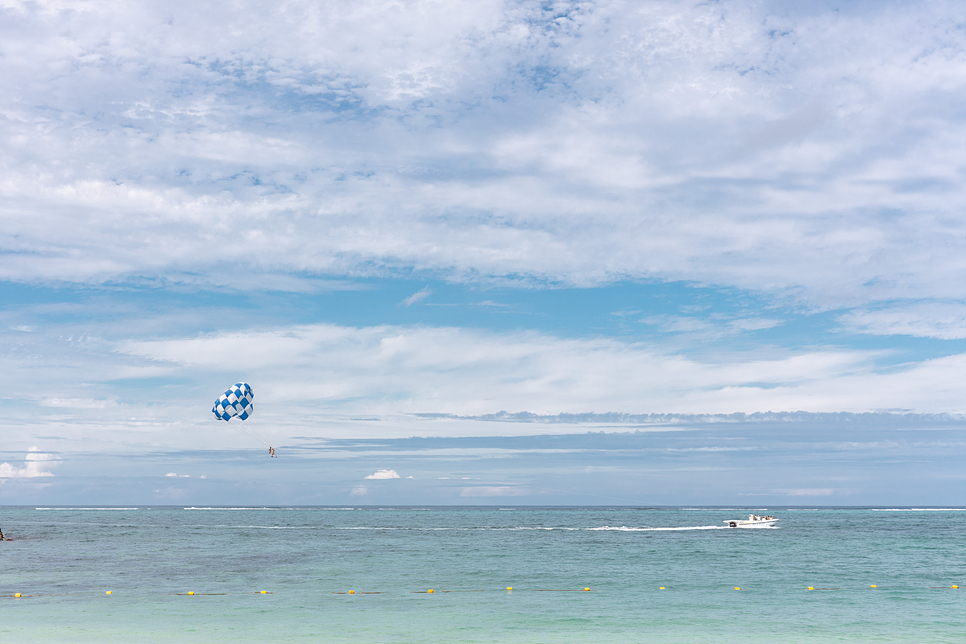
(396, 220)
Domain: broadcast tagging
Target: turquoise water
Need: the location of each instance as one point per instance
(67, 558)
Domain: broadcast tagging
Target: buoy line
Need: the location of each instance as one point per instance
(431, 591)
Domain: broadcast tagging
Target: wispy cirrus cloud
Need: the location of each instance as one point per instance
(418, 296)
(941, 320)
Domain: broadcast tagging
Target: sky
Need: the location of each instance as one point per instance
(483, 252)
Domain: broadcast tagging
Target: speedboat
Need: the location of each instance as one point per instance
(753, 521)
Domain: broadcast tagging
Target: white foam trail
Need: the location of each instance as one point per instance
(624, 528)
(517, 528)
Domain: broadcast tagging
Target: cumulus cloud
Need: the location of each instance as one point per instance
(359, 490)
(36, 464)
(180, 476)
(384, 474)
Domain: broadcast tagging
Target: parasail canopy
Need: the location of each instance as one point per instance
(236, 402)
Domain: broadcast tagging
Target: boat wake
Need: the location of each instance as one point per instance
(674, 529)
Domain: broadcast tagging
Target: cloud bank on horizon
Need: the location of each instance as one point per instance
(193, 194)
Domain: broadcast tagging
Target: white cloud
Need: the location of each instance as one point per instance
(78, 403)
(307, 374)
(388, 370)
(359, 490)
(384, 474)
(709, 327)
(418, 296)
(566, 143)
(180, 476)
(733, 144)
(942, 320)
(36, 464)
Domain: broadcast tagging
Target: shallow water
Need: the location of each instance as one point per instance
(66, 559)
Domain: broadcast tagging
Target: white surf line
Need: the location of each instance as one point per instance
(87, 509)
(239, 509)
(919, 510)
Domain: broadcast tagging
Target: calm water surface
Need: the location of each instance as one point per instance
(308, 558)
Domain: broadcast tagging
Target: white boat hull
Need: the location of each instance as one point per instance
(753, 521)
(752, 524)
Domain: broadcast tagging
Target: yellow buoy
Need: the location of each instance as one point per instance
(509, 587)
(107, 593)
(737, 588)
(352, 592)
(430, 590)
(811, 588)
(955, 586)
(872, 586)
(264, 592)
(661, 588)
(16, 594)
(191, 592)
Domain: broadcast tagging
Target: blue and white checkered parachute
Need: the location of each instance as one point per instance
(236, 402)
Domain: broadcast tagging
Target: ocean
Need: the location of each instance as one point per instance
(64, 560)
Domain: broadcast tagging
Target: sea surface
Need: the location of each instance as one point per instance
(64, 560)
